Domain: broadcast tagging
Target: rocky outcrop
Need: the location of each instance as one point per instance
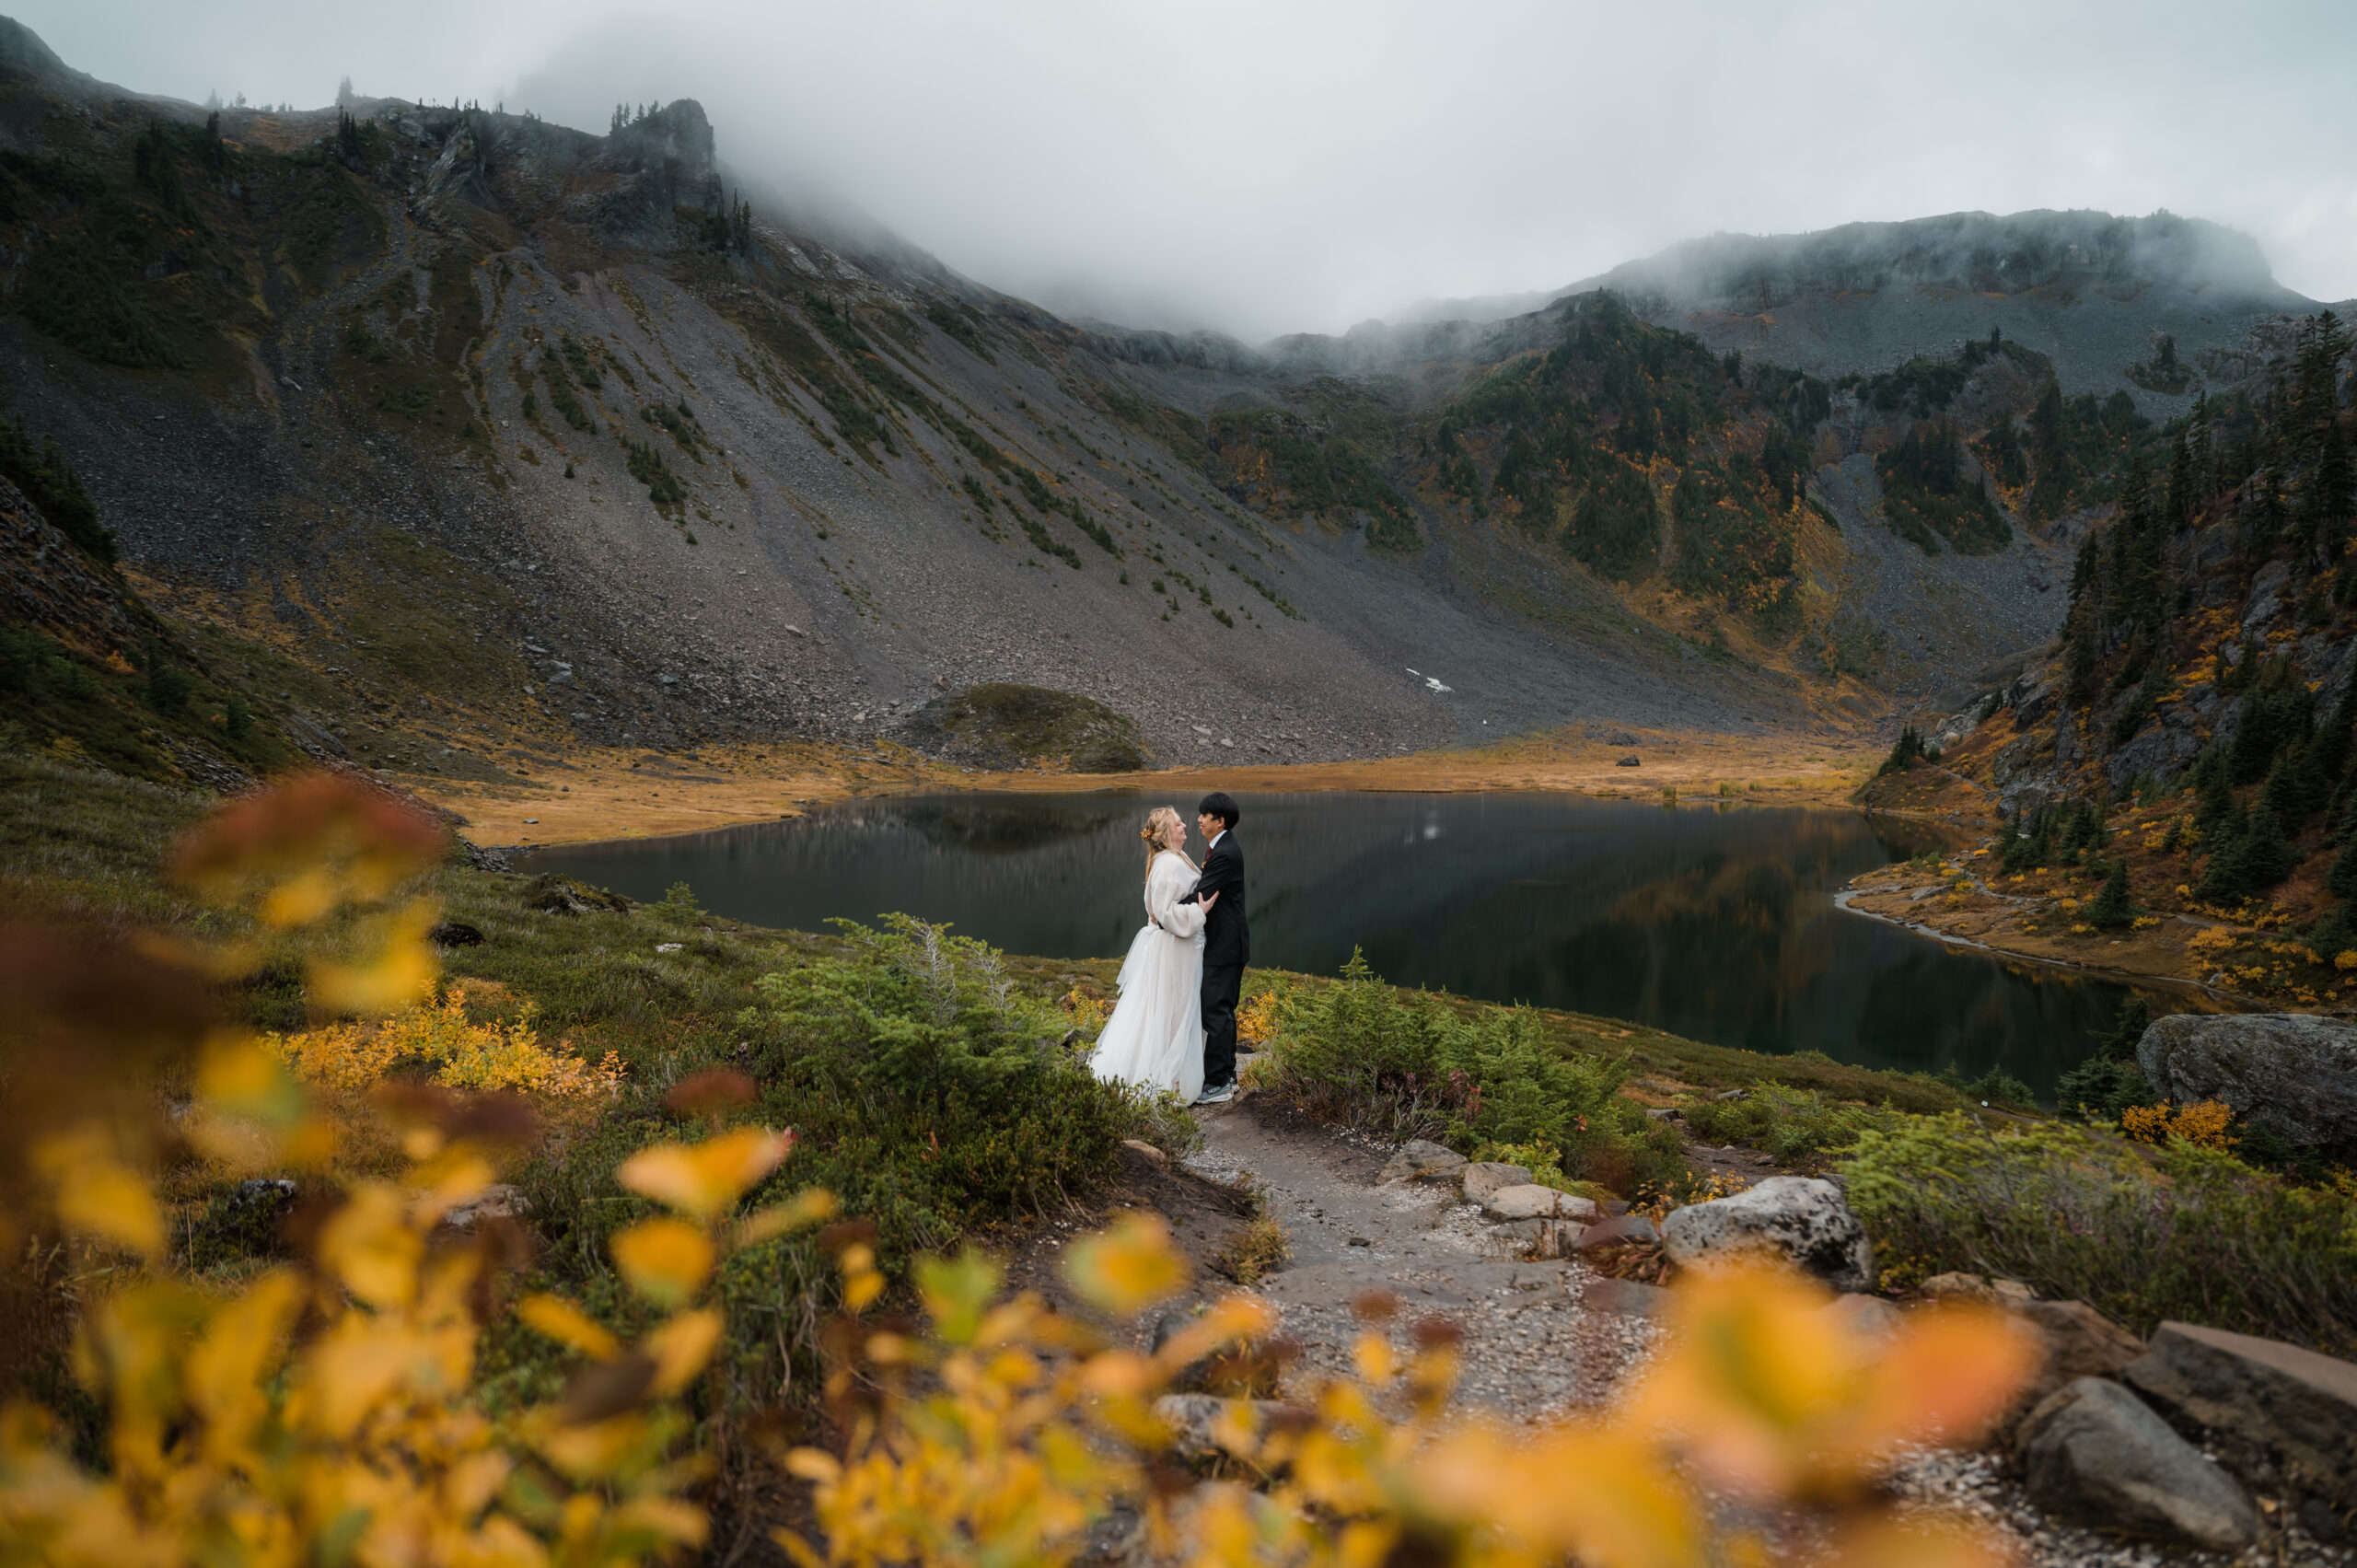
(2093, 1454)
(2294, 1075)
(1792, 1219)
(2283, 1418)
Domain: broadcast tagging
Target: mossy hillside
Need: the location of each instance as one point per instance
(153, 241)
(1003, 725)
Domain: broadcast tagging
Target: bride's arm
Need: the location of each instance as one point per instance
(1172, 879)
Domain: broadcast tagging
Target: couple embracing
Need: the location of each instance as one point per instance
(1175, 1027)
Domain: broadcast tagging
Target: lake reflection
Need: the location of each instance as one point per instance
(1718, 924)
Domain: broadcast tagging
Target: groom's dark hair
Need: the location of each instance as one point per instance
(1218, 804)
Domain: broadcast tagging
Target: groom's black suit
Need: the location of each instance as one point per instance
(1227, 947)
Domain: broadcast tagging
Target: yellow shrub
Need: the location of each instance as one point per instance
(1087, 1010)
(2204, 1124)
(1256, 1021)
(464, 1055)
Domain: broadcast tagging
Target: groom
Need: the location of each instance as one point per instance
(1227, 943)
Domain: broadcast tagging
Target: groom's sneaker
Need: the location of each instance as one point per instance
(1219, 1095)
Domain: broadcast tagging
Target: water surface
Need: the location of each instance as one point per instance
(1714, 923)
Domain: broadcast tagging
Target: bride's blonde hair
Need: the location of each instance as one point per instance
(1158, 821)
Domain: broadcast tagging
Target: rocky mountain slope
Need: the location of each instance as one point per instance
(439, 426)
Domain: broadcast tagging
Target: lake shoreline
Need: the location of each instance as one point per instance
(601, 796)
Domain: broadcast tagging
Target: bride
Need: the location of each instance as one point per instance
(1156, 1036)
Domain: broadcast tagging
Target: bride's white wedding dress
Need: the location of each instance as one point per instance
(1155, 1035)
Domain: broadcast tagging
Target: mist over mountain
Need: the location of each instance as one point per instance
(447, 430)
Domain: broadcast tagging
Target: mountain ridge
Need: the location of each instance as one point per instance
(670, 469)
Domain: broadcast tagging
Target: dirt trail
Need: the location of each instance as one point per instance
(1539, 1337)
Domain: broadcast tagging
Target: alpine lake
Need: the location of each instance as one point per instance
(1714, 920)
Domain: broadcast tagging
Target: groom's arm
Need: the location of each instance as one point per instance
(1219, 876)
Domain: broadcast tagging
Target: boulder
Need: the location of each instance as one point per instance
(1419, 1159)
(1619, 1231)
(1794, 1219)
(1482, 1178)
(2290, 1072)
(2284, 1418)
(2093, 1454)
(2077, 1341)
(1527, 1202)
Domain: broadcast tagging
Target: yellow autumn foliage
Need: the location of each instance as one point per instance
(2205, 1124)
(357, 1054)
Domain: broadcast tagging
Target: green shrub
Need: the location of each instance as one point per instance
(2193, 1234)
(941, 1097)
(49, 482)
(663, 486)
(1795, 1125)
(1410, 1065)
(73, 296)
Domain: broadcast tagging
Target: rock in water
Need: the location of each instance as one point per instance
(2283, 1418)
(1420, 1158)
(2092, 1453)
(1795, 1219)
(2294, 1075)
(1481, 1179)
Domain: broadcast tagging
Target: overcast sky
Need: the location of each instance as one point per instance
(1260, 168)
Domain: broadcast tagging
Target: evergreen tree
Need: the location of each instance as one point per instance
(2214, 797)
(2099, 1088)
(2115, 906)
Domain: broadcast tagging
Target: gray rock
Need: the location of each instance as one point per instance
(1486, 1177)
(2282, 1417)
(2159, 752)
(1527, 1202)
(2294, 1075)
(1419, 1159)
(1193, 1418)
(2092, 1453)
(1868, 1318)
(1630, 1299)
(1796, 1219)
(2076, 1341)
(500, 1200)
(1536, 1237)
(1620, 1229)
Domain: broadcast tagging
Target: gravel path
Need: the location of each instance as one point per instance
(1533, 1346)
(1543, 1339)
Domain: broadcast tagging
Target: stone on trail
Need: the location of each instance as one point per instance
(1794, 1219)
(1485, 1176)
(2290, 1072)
(1536, 1237)
(1527, 1202)
(1620, 1230)
(1194, 1420)
(2093, 1454)
(2282, 1417)
(1419, 1159)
